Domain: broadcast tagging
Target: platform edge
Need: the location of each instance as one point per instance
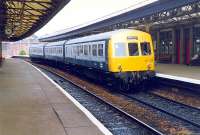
(178, 78)
(90, 116)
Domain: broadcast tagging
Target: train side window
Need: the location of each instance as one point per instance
(60, 50)
(67, 51)
(85, 49)
(94, 49)
(145, 48)
(133, 49)
(74, 50)
(77, 50)
(100, 49)
(89, 51)
(120, 49)
(81, 50)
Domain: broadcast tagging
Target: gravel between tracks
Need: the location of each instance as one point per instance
(141, 112)
(117, 123)
(182, 96)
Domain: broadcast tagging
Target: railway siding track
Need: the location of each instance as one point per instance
(177, 83)
(176, 102)
(116, 120)
(181, 111)
(183, 96)
(153, 118)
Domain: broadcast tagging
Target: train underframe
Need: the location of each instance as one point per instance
(122, 81)
(129, 81)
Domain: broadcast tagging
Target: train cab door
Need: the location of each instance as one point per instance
(186, 46)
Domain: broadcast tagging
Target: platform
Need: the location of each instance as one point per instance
(31, 105)
(185, 73)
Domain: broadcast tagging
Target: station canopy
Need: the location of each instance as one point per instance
(21, 18)
(157, 14)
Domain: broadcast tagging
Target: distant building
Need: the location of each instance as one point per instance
(10, 49)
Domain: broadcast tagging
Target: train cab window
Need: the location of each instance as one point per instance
(120, 49)
(94, 50)
(85, 49)
(133, 49)
(145, 48)
(100, 49)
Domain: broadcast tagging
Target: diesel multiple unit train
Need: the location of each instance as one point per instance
(124, 58)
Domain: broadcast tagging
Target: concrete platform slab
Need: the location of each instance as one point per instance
(31, 105)
(179, 72)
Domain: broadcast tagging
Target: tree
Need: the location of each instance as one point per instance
(22, 52)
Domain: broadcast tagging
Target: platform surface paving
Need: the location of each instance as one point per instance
(192, 72)
(31, 105)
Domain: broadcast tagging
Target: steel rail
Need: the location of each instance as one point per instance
(156, 132)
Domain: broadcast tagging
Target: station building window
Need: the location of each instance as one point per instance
(196, 48)
(166, 46)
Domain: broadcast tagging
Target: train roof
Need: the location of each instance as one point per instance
(101, 36)
(55, 43)
(37, 45)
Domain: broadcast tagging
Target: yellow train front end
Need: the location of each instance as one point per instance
(131, 58)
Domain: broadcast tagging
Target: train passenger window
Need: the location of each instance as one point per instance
(120, 49)
(85, 49)
(81, 50)
(133, 49)
(94, 50)
(66, 53)
(77, 52)
(89, 49)
(100, 49)
(145, 48)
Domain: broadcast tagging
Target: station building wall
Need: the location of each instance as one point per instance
(178, 44)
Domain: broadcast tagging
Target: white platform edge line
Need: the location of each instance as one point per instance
(100, 126)
(183, 79)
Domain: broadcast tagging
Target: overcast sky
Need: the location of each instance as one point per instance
(81, 11)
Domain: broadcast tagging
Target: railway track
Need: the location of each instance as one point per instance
(176, 102)
(178, 84)
(167, 125)
(184, 97)
(114, 118)
(178, 110)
